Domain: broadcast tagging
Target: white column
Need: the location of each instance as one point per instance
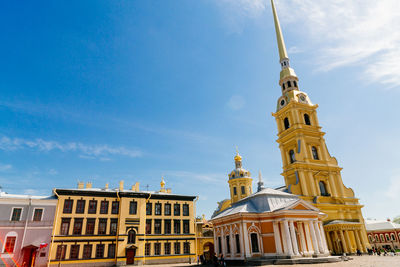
(319, 237)
(293, 238)
(241, 240)
(324, 243)
(313, 237)
(246, 240)
(233, 248)
(302, 239)
(216, 240)
(285, 245)
(308, 238)
(223, 242)
(287, 238)
(277, 237)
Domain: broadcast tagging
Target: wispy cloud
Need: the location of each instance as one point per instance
(339, 32)
(205, 177)
(236, 12)
(95, 151)
(5, 167)
(236, 102)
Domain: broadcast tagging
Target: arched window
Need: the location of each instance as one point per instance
(131, 237)
(387, 237)
(286, 122)
(254, 243)
(307, 119)
(283, 86)
(322, 188)
(371, 240)
(292, 157)
(289, 84)
(295, 83)
(314, 153)
(392, 237)
(382, 238)
(376, 238)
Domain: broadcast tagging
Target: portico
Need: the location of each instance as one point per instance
(345, 237)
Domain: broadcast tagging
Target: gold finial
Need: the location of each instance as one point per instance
(162, 182)
(279, 37)
(238, 157)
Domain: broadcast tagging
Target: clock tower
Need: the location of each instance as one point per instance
(308, 169)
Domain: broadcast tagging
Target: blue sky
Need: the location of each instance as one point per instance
(104, 91)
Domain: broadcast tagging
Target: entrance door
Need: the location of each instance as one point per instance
(130, 255)
(29, 256)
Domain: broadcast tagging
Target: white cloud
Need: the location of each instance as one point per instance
(393, 189)
(236, 102)
(236, 12)
(94, 151)
(5, 167)
(338, 32)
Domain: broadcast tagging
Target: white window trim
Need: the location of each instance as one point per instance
(12, 212)
(33, 213)
(10, 234)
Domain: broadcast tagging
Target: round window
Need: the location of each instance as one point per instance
(282, 102)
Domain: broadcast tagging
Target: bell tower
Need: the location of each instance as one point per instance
(308, 169)
(240, 181)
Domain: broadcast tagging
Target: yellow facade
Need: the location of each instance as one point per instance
(204, 239)
(142, 227)
(308, 168)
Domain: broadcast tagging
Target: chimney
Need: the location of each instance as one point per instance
(89, 185)
(121, 185)
(81, 185)
(137, 186)
(169, 190)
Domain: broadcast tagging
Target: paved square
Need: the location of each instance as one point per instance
(363, 261)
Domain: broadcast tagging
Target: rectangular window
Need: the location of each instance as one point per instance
(80, 206)
(177, 226)
(219, 245)
(103, 207)
(177, 209)
(157, 249)
(10, 244)
(102, 227)
(167, 248)
(90, 223)
(68, 205)
(234, 191)
(16, 214)
(87, 251)
(157, 226)
(186, 248)
(74, 253)
(115, 207)
(133, 207)
(185, 209)
(147, 249)
(167, 227)
(177, 248)
(157, 209)
(37, 215)
(65, 226)
(77, 227)
(254, 243)
(228, 244)
(111, 250)
(167, 209)
(186, 227)
(237, 238)
(60, 254)
(243, 190)
(100, 251)
(148, 208)
(148, 227)
(113, 226)
(92, 207)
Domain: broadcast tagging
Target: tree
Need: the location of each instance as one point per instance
(397, 220)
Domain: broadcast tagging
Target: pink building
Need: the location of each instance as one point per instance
(383, 234)
(26, 224)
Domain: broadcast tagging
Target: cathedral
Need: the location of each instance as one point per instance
(309, 171)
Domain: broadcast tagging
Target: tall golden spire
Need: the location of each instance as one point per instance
(279, 37)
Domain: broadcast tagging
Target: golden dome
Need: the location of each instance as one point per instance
(238, 157)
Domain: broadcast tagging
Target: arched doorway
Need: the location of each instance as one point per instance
(208, 251)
